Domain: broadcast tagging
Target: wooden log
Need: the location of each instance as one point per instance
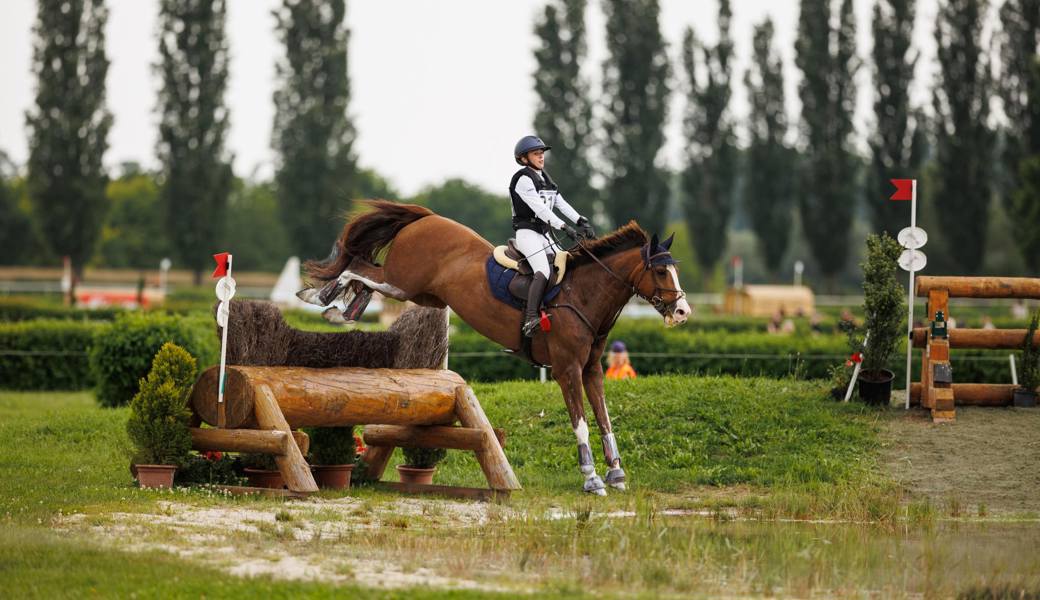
(332, 397)
(295, 471)
(973, 394)
(239, 440)
(980, 287)
(376, 458)
(453, 438)
(303, 441)
(491, 457)
(979, 339)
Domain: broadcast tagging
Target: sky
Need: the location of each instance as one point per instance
(439, 89)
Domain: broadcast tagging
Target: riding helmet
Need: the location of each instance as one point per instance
(527, 144)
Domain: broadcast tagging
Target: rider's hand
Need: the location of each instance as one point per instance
(571, 232)
(585, 228)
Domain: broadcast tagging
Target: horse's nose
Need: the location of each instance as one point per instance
(682, 312)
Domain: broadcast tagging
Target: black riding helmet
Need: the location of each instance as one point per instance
(527, 144)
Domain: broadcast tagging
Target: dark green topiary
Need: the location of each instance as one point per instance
(216, 469)
(883, 301)
(263, 462)
(122, 354)
(158, 424)
(1030, 376)
(423, 458)
(332, 446)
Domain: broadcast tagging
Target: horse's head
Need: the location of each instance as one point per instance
(658, 282)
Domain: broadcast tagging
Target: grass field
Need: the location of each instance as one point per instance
(737, 487)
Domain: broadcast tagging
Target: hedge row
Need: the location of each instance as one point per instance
(22, 308)
(46, 354)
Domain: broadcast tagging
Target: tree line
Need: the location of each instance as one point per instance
(804, 169)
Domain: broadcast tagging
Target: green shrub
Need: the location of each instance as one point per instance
(214, 468)
(883, 301)
(46, 354)
(332, 446)
(423, 458)
(26, 308)
(257, 460)
(1030, 378)
(158, 424)
(122, 354)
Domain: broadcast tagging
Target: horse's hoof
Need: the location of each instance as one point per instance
(594, 485)
(309, 295)
(616, 478)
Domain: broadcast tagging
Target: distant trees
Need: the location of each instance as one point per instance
(486, 213)
(193, 124)
(136, 233)
(826, 55)
(563, 117)
(964, 140)
(770, 176)
(897, 143)
(68, 127)
(313, 136)
(709, 178)
(635, 89)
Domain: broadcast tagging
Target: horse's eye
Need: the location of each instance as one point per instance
(660, 271)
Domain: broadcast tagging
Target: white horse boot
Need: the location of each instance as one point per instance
(615, 474)
(593, 484)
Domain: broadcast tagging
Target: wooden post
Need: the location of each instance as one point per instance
(975, 394)
(981, 287)
(240, 440)
(294, 468)
(376, 458)
(452, 438)
(491, 457)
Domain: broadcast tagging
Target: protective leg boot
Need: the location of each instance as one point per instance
(534, 304)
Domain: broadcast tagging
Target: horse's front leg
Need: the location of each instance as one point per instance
(592, 378)
(570, 380)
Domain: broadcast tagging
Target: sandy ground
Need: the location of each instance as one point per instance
(988, 457)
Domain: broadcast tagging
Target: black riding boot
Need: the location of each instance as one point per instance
(534, 304)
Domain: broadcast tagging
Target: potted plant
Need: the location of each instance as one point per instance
(419, 464)
(1029, 378)
(159, 416)
(262, 471)
(883, 304)
(333, 455)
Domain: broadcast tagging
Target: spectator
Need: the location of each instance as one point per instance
(987, 322)
(618, 365)
(816, 323)
(1018, 309)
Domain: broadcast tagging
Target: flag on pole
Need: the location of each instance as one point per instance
(222, 264)
(904, 189)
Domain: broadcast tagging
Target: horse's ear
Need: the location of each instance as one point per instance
(667, 244)
(654, 242)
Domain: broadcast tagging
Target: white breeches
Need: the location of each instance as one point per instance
(536, 247)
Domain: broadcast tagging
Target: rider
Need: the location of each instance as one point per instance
(535, 195)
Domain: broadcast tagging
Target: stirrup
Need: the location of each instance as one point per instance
(530, 327)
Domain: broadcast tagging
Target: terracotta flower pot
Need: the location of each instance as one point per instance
(333, 477)
(264, 478)
(155, 476)
(419, 475)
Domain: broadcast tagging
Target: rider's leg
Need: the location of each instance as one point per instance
(532, 244)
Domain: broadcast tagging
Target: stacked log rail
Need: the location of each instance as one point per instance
(939, 290)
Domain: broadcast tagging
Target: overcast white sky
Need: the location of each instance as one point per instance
(440, 89)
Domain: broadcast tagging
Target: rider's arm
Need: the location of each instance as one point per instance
(527, 192)
(565, 208)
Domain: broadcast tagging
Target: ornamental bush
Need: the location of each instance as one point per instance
(159, 415)
(423, 458)
(122, 354)
(1030, 359)
(46, 354)
(332, 446)
(883, 302)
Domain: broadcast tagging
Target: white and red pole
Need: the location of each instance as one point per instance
(910, 300)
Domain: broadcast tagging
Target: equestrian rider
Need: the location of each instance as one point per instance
(535, 195)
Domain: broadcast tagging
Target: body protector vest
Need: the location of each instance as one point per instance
(523, 216)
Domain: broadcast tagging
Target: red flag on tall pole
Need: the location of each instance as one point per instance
(222, 264)
(904, 189)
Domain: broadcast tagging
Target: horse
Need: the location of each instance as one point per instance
(434, 261)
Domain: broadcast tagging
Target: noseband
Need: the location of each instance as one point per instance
(656, 300)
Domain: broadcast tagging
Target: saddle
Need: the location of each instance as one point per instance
(509, 257)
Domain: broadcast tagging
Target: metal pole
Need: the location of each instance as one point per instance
(910, 301)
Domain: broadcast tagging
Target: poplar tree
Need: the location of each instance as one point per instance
(635, 90)
(711, 157)
(897, 144)
(313, 136)
(68, 127)
(564, 115)
(826, 55)
(196, 169)
(770, 176)
(964, 141)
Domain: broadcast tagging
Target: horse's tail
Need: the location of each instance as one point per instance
(365, 235)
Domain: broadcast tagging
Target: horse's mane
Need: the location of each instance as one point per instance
(626, 237)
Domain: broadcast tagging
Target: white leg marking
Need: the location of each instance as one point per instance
(582, 432)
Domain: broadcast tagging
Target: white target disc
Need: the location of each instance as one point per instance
(225, 288)
(912, 260)
(222, 314)
(912, 238)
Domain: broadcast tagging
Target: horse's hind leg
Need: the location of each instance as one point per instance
(592, 378)
(569, 380)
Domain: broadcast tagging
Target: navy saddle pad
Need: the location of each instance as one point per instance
(499, 278)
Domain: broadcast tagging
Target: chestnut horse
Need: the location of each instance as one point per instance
(434, 261)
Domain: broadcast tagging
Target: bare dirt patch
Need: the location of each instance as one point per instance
(988, 458)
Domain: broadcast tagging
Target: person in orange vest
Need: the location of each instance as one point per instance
(618, 366)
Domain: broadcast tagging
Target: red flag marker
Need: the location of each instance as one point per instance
(222, 264)
(904, 189)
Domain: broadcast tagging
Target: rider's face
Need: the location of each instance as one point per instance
(536, 158)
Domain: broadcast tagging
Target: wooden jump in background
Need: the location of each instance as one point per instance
(936, 391)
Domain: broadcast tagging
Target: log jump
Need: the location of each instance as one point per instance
(279, 379)
(937, 391)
